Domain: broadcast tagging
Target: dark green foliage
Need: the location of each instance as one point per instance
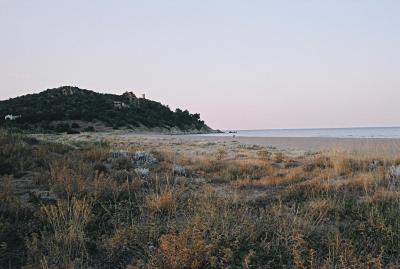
(71, 131)
(62, 127)
(75, 125)
(66, 104)
(89, 129)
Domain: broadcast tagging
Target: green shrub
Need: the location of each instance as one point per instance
(75, 125)
(72, 131)
(89, 129)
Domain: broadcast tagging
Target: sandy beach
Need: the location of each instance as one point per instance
(369, 146)
(352, 145)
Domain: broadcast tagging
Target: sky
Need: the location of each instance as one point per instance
(240, 64)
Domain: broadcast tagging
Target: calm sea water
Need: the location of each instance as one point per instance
(381, 132)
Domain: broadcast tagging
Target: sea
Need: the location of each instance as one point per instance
(366, 132)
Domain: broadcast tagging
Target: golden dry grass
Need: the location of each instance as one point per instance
(163, 202)
(188, 249)
(240, 207)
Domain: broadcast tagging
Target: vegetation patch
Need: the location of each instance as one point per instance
(114, 204)
(71, 110)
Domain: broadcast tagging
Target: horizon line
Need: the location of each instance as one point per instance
(312, 128)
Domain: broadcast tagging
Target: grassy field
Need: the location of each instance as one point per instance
(119, 203)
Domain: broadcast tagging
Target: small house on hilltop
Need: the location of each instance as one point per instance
(119, 105)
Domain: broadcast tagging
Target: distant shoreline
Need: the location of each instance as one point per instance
(364, 132)
(369, 146)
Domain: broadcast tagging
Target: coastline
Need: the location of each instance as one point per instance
(370, 146)
(389, 146)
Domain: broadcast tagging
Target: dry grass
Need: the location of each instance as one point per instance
(279, 157)
(7, 190)
(291, 177)
(382, 195)
(264, 155)
(240, 207)
(66, 237)
(188, 249)
(163, 202)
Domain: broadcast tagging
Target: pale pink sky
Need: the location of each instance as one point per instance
(241, 64)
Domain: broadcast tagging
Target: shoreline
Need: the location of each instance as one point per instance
(379, 146)
(370, 146)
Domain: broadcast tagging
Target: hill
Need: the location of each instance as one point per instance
(73, 109)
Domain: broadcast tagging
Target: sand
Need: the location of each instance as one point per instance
(371, 146)
(376, 146)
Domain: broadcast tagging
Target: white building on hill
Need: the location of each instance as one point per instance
(11, 117)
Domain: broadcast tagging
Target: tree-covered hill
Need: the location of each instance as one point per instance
(62, 108)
